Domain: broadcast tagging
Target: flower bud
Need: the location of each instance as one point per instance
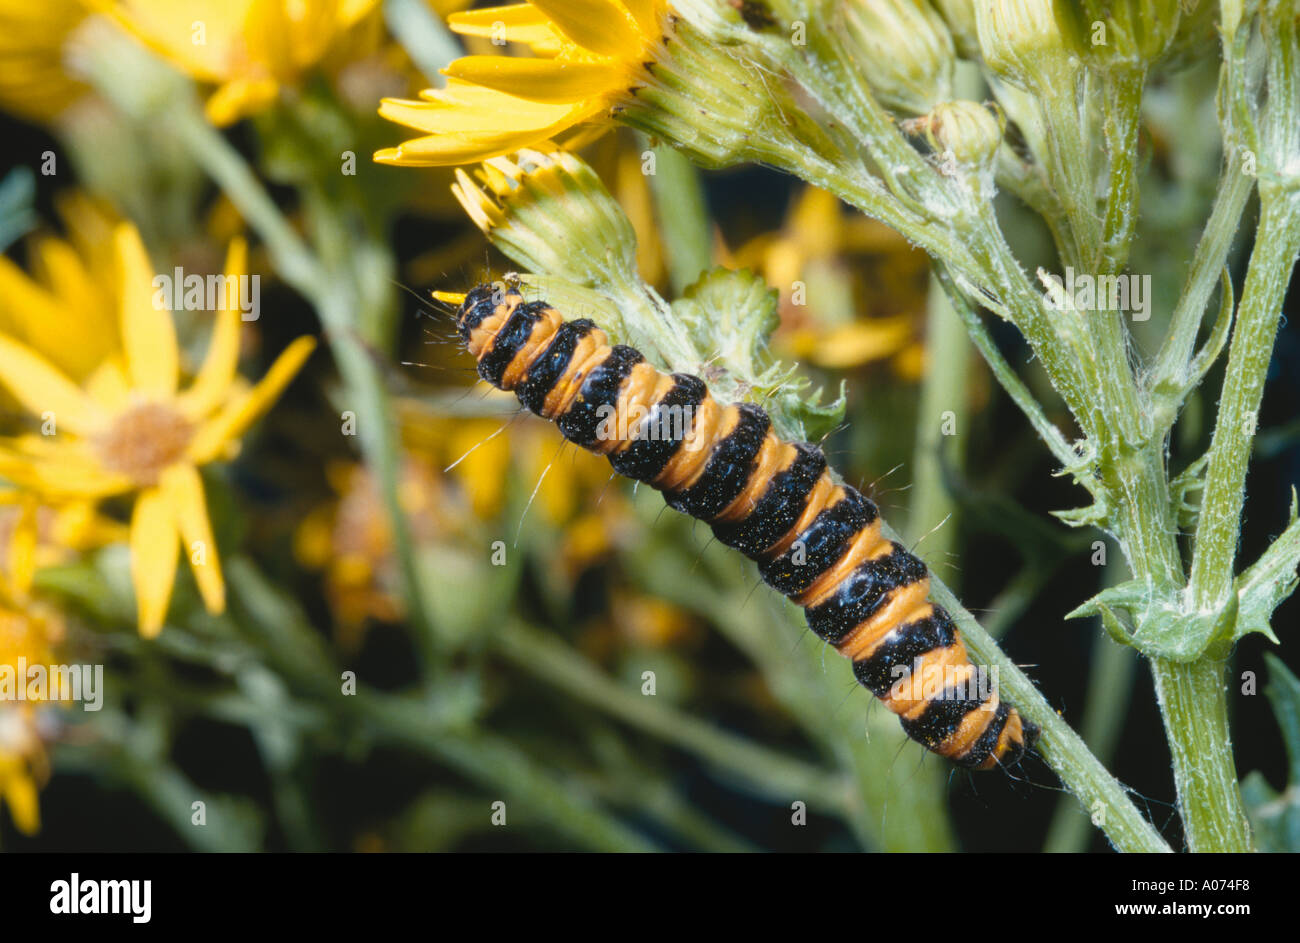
(1133, 32)
(550, 213)
(965, 137)
(711, 105)
(903, 49)
(1023, 43)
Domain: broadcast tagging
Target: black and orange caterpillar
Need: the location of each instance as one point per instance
(816, 541)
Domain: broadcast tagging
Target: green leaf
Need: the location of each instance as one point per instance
(1266, 585)
(729, 316)
(17, 191)
(1132, 595)
(1276, 816)
(1162, 628)
(1094, 515)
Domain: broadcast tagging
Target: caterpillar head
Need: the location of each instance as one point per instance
(481, 303)
(1017, 748)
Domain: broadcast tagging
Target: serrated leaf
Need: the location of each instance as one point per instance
(1093, 515)
(1110, 622)
(1269, 582)
(1192, 478)
(1162, 629)
(1131, 595)
(730, 314)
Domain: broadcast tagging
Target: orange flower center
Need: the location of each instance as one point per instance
(144, 440)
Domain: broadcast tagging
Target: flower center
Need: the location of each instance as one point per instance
(144, 440)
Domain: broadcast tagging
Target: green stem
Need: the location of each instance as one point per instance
(1110, 681)
(1062, 748)
(548, 803)
(1277, 241)
(1194, 705)
(1168, 373)
(683, 217)
(765, 770)
(943, 402)
(336, 305)
(894, 806)
(1123, 118)
(437, 728)
(1069, 165)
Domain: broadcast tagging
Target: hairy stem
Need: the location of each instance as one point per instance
(1194, 705)
(1276, 243)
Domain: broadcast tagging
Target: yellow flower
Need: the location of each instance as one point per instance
(76, 276)
(821, 261)
(35, 535)
(29, 633)
(129, 430)
(250, 49)
(587, 55)
(33, 82)
(350, 540)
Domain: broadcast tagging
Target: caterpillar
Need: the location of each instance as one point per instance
(815, 541)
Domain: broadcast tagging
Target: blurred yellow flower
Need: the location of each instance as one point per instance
(587, 54)
(33, 82)
(64, 309)
(129, 430)
(808, 261)
(29, 633)
(350, 540)
(250, 49)
(35, 535)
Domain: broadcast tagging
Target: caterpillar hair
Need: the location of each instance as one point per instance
(817, 542)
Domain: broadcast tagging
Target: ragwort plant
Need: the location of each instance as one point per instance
(859, 99)
(883, 104)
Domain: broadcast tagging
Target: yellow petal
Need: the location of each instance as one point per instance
(481, 22)
(603, 26)
(61, 327)
(21, 559)
(646, 14)
(519, 23)
(240, 413)
(109, 387)
(148, 334)
(84, 332)
(550, 81)
(469, 146)
(153, 558)
(240, 98)
(19, 792)
(218, 370)
(184, 489)
(42, 389)
(171, 30)
(863, 342)
(460, 109)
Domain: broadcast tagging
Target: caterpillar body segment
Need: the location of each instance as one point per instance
(817, 542)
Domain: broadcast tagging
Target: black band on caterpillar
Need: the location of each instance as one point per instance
(817, 548)
(731, 462)
(814, 540)
(780, 506)
(654, 443)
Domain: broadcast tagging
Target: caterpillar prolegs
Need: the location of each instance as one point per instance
(815, 541)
